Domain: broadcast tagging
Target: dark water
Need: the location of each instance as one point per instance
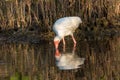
(94, 60)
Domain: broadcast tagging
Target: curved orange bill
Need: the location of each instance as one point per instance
(56, 43)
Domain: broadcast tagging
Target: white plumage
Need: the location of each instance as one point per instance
(65, 26)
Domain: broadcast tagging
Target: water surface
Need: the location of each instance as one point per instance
(23, 61)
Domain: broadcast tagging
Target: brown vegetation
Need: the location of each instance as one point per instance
(42, 13)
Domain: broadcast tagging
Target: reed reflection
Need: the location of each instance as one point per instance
(68, 60)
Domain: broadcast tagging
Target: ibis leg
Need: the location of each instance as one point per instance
(63, 41)
(63, 44)
(73, 38)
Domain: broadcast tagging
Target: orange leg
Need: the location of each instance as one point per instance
(63, 41)
(73, 40)
(63, 44)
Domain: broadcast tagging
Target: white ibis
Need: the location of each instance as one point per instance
(65, 26)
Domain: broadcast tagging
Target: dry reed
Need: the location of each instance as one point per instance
(26, 13)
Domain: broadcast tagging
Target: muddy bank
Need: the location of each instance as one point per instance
(26, 36)
(37, 36)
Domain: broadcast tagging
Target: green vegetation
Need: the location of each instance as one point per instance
(16, 76)
(19, 76)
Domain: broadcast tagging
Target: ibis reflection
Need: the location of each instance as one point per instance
(68, 60)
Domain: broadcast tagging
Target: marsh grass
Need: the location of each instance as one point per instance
(32, 20)
(23, 14)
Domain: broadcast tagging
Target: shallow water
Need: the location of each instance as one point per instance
(38, 61)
